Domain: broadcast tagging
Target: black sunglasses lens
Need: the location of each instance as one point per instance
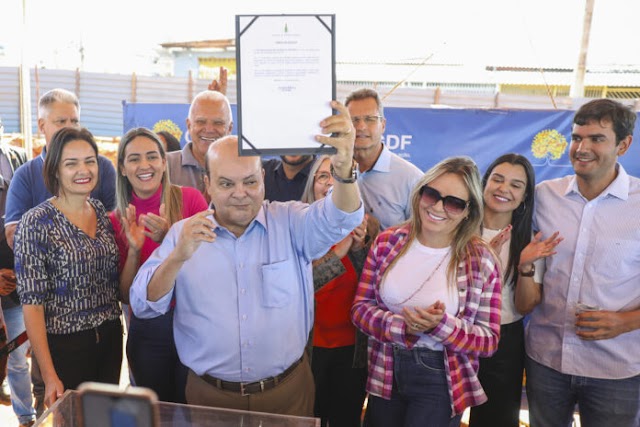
(430, 195)
(454, 204)
(451, 204)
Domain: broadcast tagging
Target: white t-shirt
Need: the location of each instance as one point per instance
(509, 312)
(419, 279)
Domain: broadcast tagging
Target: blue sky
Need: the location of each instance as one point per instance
(120, 35)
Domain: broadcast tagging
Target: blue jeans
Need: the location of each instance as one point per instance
(552, 398)
(420, 395)
(18, 369)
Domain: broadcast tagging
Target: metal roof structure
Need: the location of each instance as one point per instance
(202, 44)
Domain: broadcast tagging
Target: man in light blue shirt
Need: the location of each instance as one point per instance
(385, 179)
(583, 336)
(242, 279)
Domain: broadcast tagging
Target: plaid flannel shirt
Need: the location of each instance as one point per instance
(473, 333)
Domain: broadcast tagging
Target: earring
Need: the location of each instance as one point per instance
(519, 211)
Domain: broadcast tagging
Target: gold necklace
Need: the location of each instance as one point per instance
(423, 283)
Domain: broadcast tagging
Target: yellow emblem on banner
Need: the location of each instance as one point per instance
(549, 143)
(168, 126)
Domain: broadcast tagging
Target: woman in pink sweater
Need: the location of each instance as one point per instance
(147, 205)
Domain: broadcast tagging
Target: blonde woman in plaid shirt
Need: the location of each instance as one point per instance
(429, 299)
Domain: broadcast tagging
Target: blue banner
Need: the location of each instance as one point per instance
(425, 136)
(158, 117)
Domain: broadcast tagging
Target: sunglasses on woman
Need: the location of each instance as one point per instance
(451, 204)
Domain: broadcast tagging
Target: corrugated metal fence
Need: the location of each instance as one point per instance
(101, 96)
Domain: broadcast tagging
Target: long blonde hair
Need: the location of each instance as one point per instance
(171, 194)
(465, 241)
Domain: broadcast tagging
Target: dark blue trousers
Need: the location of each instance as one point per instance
(153, 358)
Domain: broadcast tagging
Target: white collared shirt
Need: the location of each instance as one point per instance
(597, 263)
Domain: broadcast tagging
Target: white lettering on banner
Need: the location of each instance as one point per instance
(395, 142)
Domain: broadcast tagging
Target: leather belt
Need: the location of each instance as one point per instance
(246, 389)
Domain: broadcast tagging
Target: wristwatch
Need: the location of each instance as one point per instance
(349, 180)
(529, 273)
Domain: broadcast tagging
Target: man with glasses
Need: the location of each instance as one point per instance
(385, 179)
(285, 178)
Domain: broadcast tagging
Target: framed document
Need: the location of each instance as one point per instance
(286, 79)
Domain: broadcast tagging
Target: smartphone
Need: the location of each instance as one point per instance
(105, 405)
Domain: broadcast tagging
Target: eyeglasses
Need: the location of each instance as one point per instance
(367, 119)
(451, 204)
(322, 177)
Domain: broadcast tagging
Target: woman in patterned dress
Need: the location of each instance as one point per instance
(66, 264)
